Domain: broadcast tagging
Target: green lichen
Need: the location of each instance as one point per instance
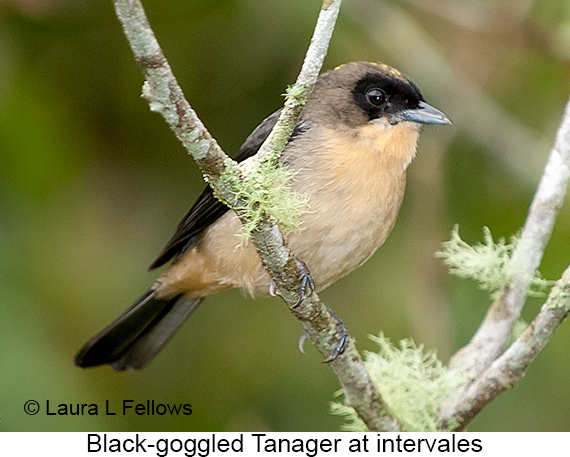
(489, 264)
(148, 94)
(231, 171)
(412, 383)
(264, 192)
(198, 148)
(190, 136)
(560, 295)
(297, 94)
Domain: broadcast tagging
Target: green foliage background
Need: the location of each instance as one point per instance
(92, 185)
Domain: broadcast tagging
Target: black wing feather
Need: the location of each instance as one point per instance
(208, 208)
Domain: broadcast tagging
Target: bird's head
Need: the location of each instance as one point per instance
(357, 93)
(373, 106)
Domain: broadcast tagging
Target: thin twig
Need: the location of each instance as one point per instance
(505, 372)
(298, 94)
(166, 97)
(488, 370)
(491, 337)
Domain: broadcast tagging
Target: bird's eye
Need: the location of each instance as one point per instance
(376, 97)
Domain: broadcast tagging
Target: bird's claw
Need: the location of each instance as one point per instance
(307, 284)
(339, 348)
(342, 342)
(273, 289)
(306, 289)
(301, 342)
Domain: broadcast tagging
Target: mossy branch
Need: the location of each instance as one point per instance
(413, 383)
(232, 184)
(506, 371)
(511, 271)
(491, 337)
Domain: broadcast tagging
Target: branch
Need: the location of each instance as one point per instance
(493, 334)
(299, 93)
(490, 371)
(166, 97)
(505, 372)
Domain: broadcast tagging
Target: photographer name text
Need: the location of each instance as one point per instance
(110, 408)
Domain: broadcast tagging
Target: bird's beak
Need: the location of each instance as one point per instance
(424, 114)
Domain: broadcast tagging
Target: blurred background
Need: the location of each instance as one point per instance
(92, 185)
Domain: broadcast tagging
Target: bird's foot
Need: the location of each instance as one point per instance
(342, 342)
(339, 348)
(307, 284)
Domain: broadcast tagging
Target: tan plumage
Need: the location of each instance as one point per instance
(355, 139)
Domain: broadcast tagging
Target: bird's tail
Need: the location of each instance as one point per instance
(137, 335)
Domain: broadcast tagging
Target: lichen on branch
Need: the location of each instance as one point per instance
(265, 191)
(489, 264)
(413, 383)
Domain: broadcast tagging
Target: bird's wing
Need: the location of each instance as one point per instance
(208, 208)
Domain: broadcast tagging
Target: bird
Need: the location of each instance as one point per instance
(349, 151)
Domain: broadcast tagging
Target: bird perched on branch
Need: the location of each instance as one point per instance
(355, 138)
